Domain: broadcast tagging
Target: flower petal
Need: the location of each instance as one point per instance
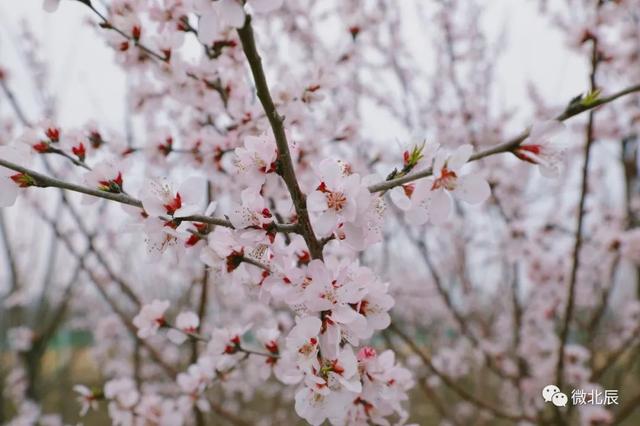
(400, 199)
(264, 6)
(232, 13)
(472, 189)
(50, 5)
(439, 206)
(208, 27)
(459, 157)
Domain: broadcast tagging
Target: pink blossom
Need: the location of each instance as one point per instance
(11, 181)
(151, 318)
(88, 401)
(160, 199)
(540, 149)
(186, 323)
(339, 197)
(430, 199)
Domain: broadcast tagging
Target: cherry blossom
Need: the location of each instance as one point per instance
(339, 197)
(431, 198)
(123, 397)
(10, 181)
(151, 318)
(300, 288)
(106, 176)
(160, 199)
(253, 213)
(86, 397)
(186, 323)
(256, 158)
(325, 395)
(219, 15)
(540, 149)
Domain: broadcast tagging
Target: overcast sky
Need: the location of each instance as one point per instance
(89, 86)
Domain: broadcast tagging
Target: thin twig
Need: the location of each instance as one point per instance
(584, 187)
(511, 144)
(43, 181)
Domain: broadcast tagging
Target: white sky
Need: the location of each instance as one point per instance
(89, 86)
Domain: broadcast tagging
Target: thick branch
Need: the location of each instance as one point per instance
(276, 120)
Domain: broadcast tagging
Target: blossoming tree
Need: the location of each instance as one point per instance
(247, 253)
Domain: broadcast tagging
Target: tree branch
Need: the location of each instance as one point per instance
(276, 120)
(43, 181)
(426, 359)
(511, 144)
(584, 188)
(11, 261)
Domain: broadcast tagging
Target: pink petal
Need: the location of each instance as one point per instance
(472, 189)
(208, 27)
(232, 13)
(439, 206)
(264, 6)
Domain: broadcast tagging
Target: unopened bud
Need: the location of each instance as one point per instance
(23, 180)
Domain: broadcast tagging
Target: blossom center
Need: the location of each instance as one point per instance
(447, 180)
(174, 205)
(308, 348)
(336, 200)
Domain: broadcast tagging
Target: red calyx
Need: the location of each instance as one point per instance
(53, 134)
(167, 147)
(193, 240)
(368, 407)
(42, 147)
(234, 260)
(272, 346)
(337, 368)
(304, 258)
(174, 205)
(354, 30)
(96, 139)
(118, 180)
(521, 152)
(234, 346)
(79, 151)
(114, 185)
(23, 180)
(408, 189)
(322, 187)
(136, 32)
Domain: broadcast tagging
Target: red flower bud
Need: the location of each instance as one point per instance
(79, 151)
(53, 134)
(23, 180)
(136, 32)
(42, 147)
